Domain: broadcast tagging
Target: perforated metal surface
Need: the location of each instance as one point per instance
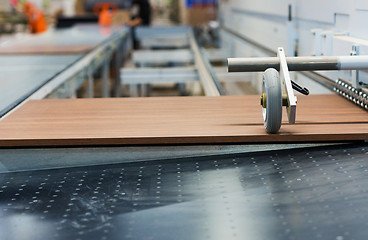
(294, 194)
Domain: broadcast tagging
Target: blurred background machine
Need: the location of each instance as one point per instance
(134, 128)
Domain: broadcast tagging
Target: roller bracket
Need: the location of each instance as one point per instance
(287, 86)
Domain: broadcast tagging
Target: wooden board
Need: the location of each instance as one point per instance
(45, 49)
(177, 120)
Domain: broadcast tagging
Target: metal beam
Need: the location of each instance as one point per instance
(150, 57)
(163, 37)
(158, 75)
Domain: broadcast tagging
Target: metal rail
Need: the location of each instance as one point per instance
(299, 63)
(211, 85)
(324, 81)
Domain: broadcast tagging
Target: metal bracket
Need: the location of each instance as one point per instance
(355, 73)
(287, 86)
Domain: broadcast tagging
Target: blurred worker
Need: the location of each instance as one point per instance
(140, 16)
(140, 13)
(36, 18)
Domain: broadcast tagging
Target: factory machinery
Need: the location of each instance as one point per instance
(195, 167)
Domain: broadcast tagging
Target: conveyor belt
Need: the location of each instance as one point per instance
(21, 75)
(32, 67)
(318, 193)
(177, 120)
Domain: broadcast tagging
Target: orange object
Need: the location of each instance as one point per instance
(36, 18)
(105, 11)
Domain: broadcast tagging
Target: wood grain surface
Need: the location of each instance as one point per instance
(177, 120)
(45, 49)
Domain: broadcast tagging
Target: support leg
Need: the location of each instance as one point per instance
(90, 87)
(105, 79)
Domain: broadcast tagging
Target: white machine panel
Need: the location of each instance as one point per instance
(322, 28)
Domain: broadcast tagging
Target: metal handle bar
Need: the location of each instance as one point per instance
(298, 63)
